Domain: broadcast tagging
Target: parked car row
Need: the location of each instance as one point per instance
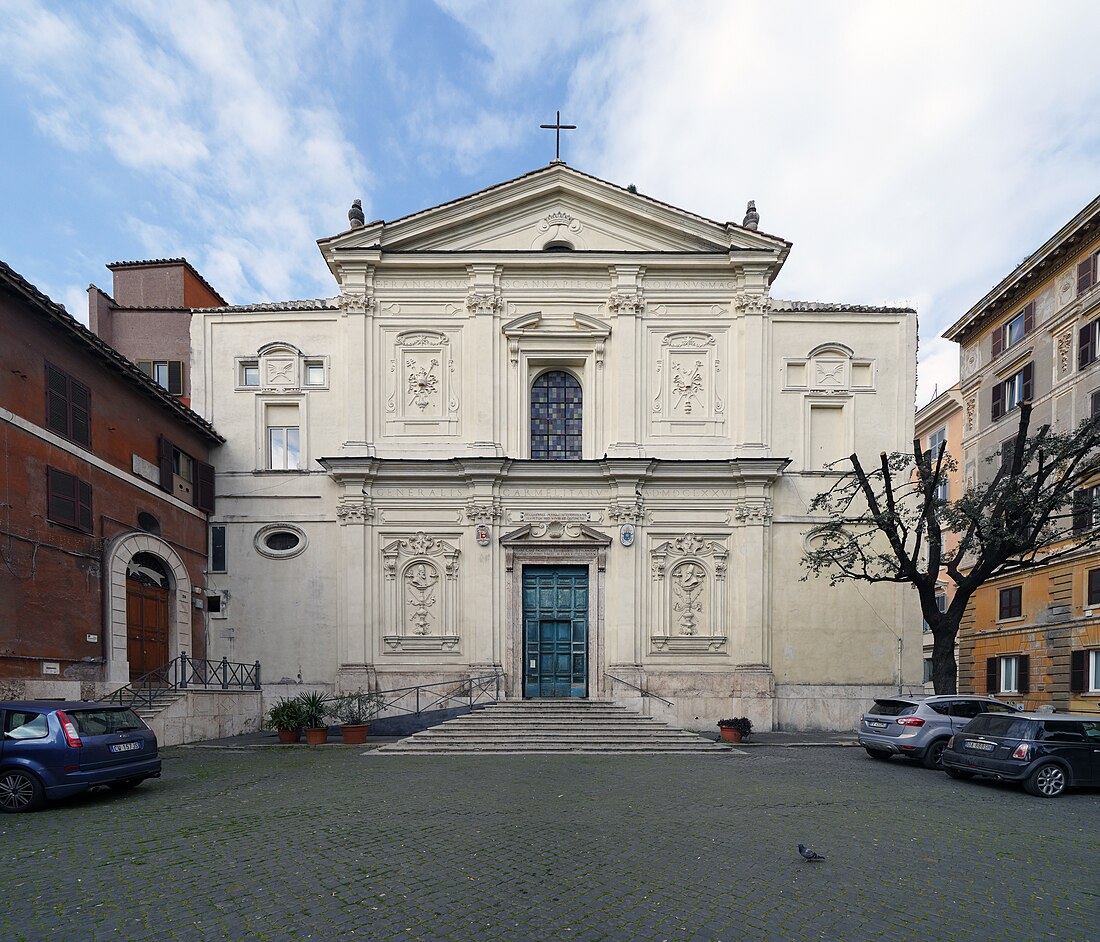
(51, 749)
(984, 737)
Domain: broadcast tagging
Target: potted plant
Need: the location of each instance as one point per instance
(354, 711)
(286, 718)
(314, 710)
(735, 729)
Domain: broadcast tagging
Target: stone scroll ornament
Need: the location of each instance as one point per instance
(688, 580)
(423, 383)
(420, 583)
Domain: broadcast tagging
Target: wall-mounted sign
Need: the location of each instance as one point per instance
(626, 534)
(482, 535)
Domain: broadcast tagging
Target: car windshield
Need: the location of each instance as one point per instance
(100, 722)
(999, 724)
(891, 708)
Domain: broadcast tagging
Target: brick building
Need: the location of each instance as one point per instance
(104, 494)
(148, 317)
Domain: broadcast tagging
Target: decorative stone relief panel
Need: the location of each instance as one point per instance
(830, 369)
(689, 602)
(420, 598)
(971, 417)
(688, 384)
(423, 387)
(1063, 346)
(970, 361)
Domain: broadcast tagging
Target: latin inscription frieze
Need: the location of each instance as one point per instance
(693, 493)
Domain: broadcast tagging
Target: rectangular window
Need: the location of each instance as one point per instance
(283, 453)
(165, 373)
(217, 549)
(187, 478)
(1011, 602)
(935, 440)
(928, 670)
(1094, 404)
(1010, 675)
(1094, 671)
(68, 406)
(1009, 393)
(1008, 447)
(1015, 330)
(249, 373)
(1092, 590)
(1086, 274)
(315, 373)
(1085, 509)
(1084, 672)
(1087, 347)
(68, 500)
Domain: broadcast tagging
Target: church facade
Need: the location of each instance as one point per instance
(562, 431)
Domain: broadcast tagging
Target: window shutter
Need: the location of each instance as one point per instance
(80, 429)
(998, 341)
(146, 366)
(1093, 596)
(1029, 383)
(1023, 682)
(1082, 510)
(204, 486)
(60, 496)
(1094, 405)
(1077, 663)
(175, 377)
(1086, 274)
(991, 675)
(57, 400)
(998, 401)
(84, 507)
(1029, 317)
(164, 459)
(1085, 342)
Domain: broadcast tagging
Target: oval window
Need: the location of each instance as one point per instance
(280, 541)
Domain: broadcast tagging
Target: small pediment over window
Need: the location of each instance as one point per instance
(555, 531)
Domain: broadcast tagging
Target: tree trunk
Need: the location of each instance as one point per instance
(944, 668)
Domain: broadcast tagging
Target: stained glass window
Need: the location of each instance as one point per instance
(556, 417)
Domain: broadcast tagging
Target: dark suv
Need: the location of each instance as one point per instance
(51, 749)
(918, 726)
(1047, 752)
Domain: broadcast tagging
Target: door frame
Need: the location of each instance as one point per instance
(558, 618)
(556, 544)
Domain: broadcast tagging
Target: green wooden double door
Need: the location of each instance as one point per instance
(555, 631)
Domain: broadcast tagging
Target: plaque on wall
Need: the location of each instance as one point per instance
(626, 534)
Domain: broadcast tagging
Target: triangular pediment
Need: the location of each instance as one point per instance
(555, 208)
(555, 531)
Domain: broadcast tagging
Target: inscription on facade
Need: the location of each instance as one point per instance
(557, 492)
(564, 516)
(405, 492)
(554, 283)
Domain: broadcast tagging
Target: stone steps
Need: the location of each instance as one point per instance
(551, 727)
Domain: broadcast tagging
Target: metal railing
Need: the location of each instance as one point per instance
(442, 695)
(186, 673)
(643, 692)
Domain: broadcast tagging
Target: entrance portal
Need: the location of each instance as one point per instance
(555, 631)
(146, 615)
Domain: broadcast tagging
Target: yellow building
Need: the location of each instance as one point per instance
(1033, 638)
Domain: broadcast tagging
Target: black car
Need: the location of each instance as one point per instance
(1048, 752)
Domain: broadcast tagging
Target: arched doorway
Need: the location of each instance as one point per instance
(148, 586)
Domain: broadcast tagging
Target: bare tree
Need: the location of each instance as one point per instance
(887, 524)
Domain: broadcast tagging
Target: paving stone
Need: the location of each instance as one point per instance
(278, 844)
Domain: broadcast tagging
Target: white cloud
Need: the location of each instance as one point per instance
(210, 101)
(906, 150)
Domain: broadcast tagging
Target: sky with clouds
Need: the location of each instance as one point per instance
(913, 152)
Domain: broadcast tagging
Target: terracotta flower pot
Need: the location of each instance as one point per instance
(290, 735)
(729, 734)
(355, 734)
(317, 737)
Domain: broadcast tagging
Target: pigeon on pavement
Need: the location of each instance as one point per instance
(808, 854)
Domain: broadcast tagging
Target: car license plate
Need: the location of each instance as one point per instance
(876, 724)
(125, 746)
(980, 746)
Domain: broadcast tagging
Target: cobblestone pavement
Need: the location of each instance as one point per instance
(330, 844)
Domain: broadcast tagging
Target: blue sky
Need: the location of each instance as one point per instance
(913, 152)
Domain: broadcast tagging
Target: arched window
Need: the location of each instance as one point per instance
(556, 417)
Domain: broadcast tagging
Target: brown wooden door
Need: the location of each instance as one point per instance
(146, 628)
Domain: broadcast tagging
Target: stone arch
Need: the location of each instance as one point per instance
(120, 551)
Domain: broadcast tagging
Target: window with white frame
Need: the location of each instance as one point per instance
(282, 437)
(315, 372)
(248, 373)
(937, 439)
(1094, 671)
(1010, 675)
(1009, 393)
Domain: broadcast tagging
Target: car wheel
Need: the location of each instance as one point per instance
(1047, 781)
(933, 754)
(961, 774)
(20, 791)
(881, 754)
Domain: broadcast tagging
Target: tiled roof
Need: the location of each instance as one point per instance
(778, 305)
(11, 279)
(150, 262)
(316, 304)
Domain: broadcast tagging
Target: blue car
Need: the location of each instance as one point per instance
(51, 749)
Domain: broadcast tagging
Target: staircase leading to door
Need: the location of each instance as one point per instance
(552, 726)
